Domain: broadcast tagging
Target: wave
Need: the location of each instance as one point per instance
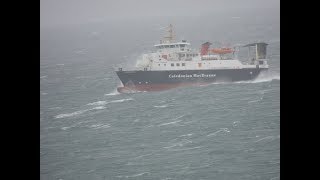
(98, 108)
(185, 149)
(121, 100)
(78, 112)
(262, 78)
(266, 78)
(185, 135)
(259, 79)
(259, 99)
(135, 175)
(82, 77)
(264, 91)
(254, 101)
(60, 64)
(173, 122)
(100, 126)
(181, 143)
(41, 77)
(71, 114)
(55, 107)
(138, 157)
(163, 106)
(268, 137)
(221, 130)
(235, 123)
(100, 103)
(66, 128)
(113, 93)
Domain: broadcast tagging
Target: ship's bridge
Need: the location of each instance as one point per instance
(178, 46)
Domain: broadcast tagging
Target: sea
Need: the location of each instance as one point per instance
(218, 131)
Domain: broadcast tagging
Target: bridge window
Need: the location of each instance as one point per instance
(171, 46)
(166, 46)
(182, 45)
(177, 64)
(183, 64)
(172, 64)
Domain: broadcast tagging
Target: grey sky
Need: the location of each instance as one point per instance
(62, 12)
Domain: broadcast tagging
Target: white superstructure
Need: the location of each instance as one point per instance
(172, 55)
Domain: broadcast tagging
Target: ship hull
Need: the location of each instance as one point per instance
(163, 80)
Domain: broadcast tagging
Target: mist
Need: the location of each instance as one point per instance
(69, 12)
(125, 29)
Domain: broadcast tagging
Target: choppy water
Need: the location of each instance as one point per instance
(89, 131)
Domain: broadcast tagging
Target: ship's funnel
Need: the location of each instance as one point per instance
(205, 48)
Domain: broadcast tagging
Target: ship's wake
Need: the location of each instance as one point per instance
(113, 93)
(264, 77)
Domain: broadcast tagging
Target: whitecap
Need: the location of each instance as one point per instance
(162, 106)
(185, 135)
(97, 103)
(121, 100)
(99, 126)
(98, 108)
(41, 77)
(266, 79)
(221, 130)
(65, 128)
(268, 137)
(78, 112)
(185, 149)
(181, 143)
(136, 120)
(135, 175)
(138, 157)
(264, 91)
(274, 178)
(235, 123)
(173, 122)
(82, 77)
(115, 92)
(55, 107)
(254, 101)
(71, 114)
(263, 77)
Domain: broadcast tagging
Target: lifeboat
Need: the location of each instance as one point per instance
(221, 50)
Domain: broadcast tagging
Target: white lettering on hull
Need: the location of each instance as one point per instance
(192, 75)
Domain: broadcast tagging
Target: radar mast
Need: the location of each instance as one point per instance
(170, 36)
